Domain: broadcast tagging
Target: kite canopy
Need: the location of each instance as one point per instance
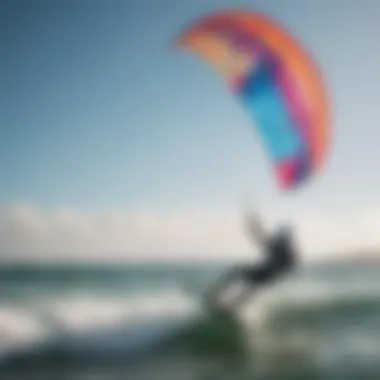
(275, 80)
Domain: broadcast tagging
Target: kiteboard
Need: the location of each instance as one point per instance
(216, 331)
(217, 328)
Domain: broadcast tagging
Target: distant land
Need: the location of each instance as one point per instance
(367, 258)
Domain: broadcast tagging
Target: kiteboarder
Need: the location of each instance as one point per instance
(274, 78)
(280, 257)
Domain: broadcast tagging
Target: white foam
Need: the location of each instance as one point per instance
(306, 293)
(93, 322)
(19, 329)
(89, 312)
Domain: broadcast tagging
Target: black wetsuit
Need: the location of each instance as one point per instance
(280, 258)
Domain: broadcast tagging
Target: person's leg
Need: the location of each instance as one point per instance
(255, 277)
(223, 282)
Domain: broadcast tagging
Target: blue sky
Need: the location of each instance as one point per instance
(99, 111)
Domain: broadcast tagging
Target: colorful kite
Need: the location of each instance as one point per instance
(277, 82)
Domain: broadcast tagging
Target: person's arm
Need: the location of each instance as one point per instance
(255, 230)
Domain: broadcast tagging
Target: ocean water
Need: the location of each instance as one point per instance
(127, 321)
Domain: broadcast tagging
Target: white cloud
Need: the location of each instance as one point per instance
(29, 231)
